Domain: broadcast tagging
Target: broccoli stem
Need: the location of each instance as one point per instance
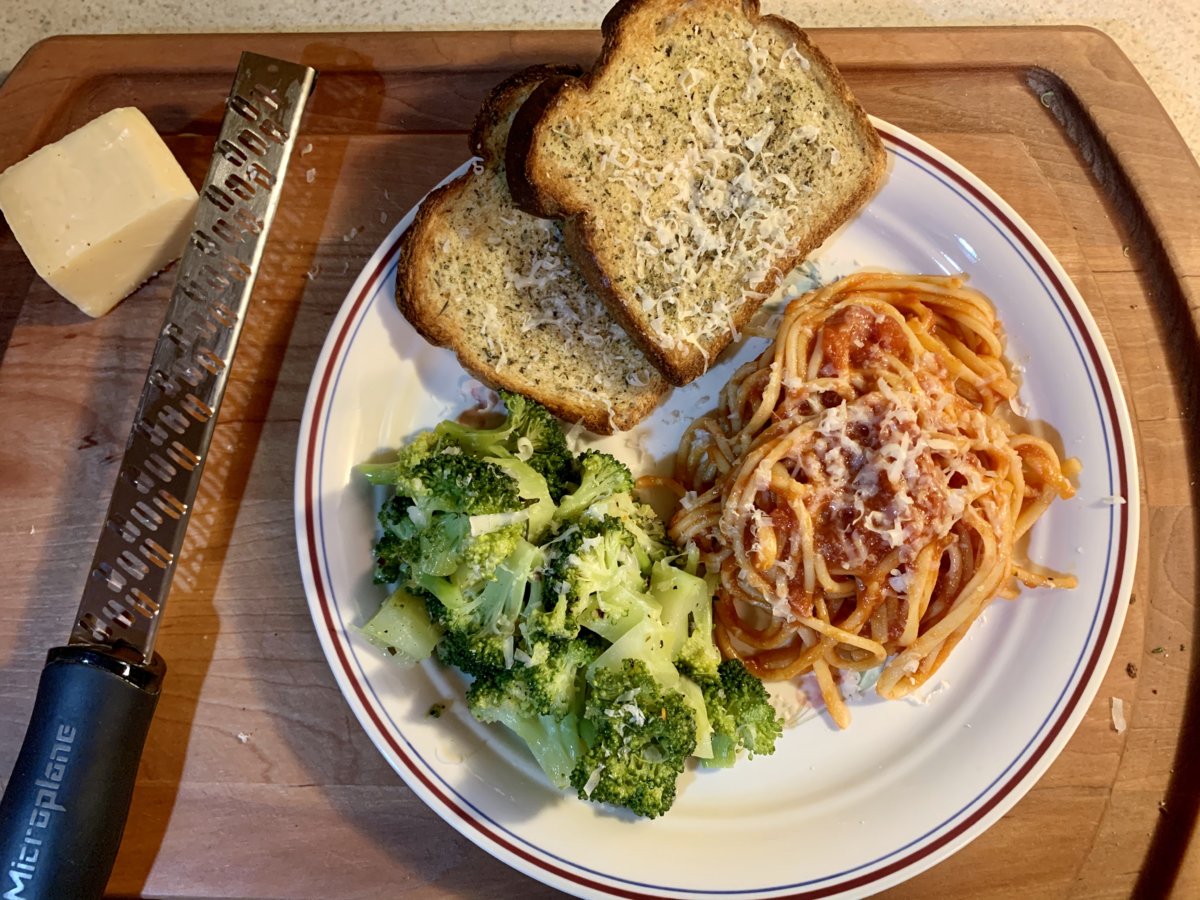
(686, 602)
(704, 731)
(554, 743)
(402, 628)
(530, 486)
(382, 473)
(645, 642)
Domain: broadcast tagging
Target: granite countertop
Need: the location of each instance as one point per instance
(1161, 37)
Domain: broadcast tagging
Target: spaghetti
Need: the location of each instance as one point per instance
(858, 492)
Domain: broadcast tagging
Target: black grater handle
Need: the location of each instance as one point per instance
(65, 805)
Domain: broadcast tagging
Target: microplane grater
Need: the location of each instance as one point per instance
(64, 808)
(164, 457)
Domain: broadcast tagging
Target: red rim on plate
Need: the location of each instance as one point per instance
(1011, 783)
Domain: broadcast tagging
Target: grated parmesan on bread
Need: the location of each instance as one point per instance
(496, 286)
(708, 151)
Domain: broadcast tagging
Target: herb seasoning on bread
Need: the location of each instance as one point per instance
(709, 151)
(496, 286)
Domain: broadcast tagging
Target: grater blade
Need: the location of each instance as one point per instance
(151, 504)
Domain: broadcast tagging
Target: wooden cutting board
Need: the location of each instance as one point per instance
(257, 781)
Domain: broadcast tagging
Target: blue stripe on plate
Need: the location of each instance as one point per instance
(1057, 302)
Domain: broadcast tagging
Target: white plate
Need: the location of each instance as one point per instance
(830, 814)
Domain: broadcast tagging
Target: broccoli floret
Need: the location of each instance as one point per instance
(643, 523)
(600, 477)
(444, 544)
(648, 642)
(529, 433)
(435, 474)
(544, 679)
(459, 482)
(539, 701)
(532, 488)
(393, 516)
(638, 736)
(593, 579)
(434, 548)
(484, 554)
(481, 621)
(476, 654)
(391, 562)
(392, 473)
(555, 622)
(547, 450)
(741, 714)
(559, 667)
(495, 605)
(687, 616)
(434, 525)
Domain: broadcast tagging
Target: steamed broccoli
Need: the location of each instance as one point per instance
(600, 477)
(649, 534)
(432, 524)
(539, 699)
(484, 554)
(443, 544)
(454, 533)
(475, 653)
(600, 578)
(459, 482)
(529, 433)
(741, 714)
(391, 473)
(481, 619)
(686, 603)
(402, 628)
(585, 632)
(545, 677)
(533, 491)
(673, 639)
(593, 579)
(638, 736)
(437, 475)
(392, 552)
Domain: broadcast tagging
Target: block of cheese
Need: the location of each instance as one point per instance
(100, 211)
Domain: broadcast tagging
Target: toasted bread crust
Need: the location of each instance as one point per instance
(517, 157)
(430, 310)
(498, 107)
(543, 195)
(415, 243)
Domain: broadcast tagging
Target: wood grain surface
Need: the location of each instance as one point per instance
(257, 781)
